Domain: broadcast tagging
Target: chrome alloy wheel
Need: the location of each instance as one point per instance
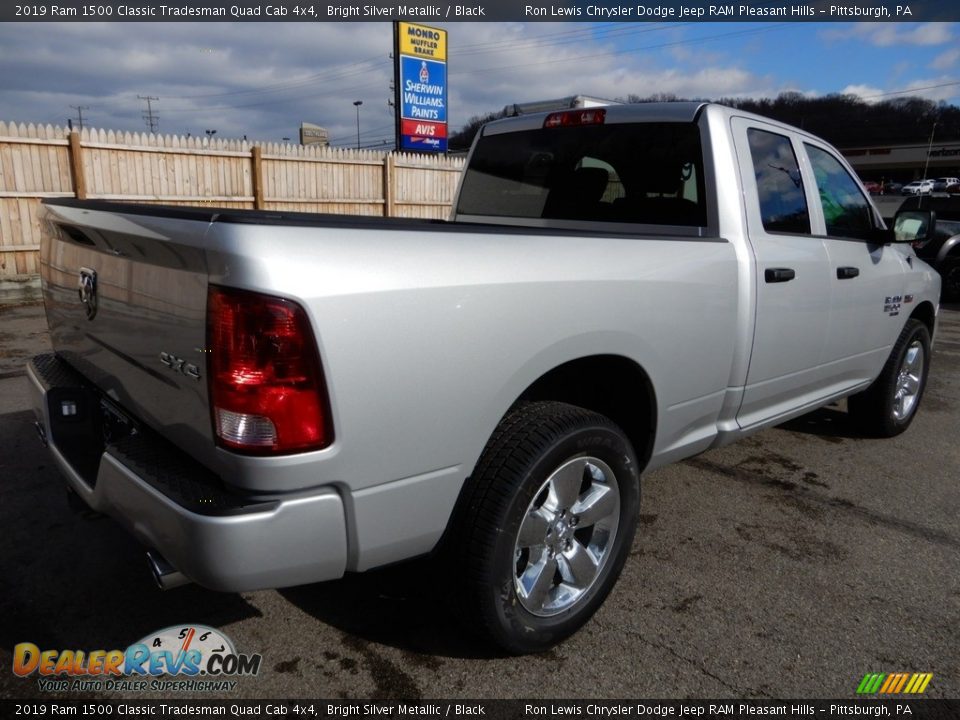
(566, 536)
(909, 381)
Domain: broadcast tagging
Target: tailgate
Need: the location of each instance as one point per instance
(125, 291)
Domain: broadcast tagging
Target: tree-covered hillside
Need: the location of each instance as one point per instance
(843, 120)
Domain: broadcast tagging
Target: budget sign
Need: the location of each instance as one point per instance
(421, 74)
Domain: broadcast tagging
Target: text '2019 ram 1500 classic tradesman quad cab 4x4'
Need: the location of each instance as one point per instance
(267, 399)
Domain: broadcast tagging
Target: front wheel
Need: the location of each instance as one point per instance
(888, 406)
(549, 524)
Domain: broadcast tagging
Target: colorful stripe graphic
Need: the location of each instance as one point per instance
(894, 683)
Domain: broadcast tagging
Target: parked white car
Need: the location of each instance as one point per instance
(944, 184)
(918, 187)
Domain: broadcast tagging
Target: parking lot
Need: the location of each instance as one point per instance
(787, 565)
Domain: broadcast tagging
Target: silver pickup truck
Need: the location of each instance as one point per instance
(270, 399)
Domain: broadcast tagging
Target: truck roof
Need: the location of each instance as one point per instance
(635, 112)
(567, 103)
(677, 111)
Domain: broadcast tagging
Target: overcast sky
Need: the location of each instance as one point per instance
(262, 80)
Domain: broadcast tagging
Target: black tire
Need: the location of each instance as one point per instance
(538, 447)
(878, 411)
(950, 279)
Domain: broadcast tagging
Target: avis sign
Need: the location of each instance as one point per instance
(420, 67)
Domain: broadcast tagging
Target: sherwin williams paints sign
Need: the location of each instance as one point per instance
(420, 66)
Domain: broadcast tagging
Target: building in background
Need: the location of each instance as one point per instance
(905, 163)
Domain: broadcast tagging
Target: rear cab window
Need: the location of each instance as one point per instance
(783, 204)
(649, 173)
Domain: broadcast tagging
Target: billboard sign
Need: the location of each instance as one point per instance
(420, 66)
(311, 134)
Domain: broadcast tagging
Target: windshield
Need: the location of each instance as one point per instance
(635, 173)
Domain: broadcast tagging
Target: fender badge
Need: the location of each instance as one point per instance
(891, 305)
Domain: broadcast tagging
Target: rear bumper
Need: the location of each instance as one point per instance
(216, 538)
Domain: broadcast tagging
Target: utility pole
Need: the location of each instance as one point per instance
(152, 120)
(357, 104)
(80, 109)
(393, 111)
(926, 165)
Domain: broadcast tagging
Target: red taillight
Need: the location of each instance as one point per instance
(595, 116)
(266, 386)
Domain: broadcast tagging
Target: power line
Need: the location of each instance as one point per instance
(360, 67)
(364, 67)
(370, 131)
(369, 65)
(383, 143)
(910, 90)
(625, 51)
(326, 76)
(617, 31)
(274, 101)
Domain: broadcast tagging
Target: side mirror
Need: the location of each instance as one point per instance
(913, 226)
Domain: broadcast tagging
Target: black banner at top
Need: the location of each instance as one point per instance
(305, 11)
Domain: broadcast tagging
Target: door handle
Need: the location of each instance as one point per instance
(845, 273)
(775, 275)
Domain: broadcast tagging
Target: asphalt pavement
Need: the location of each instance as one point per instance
(786, 565)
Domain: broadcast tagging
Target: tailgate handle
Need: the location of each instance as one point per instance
(775, 275)
(845, 273)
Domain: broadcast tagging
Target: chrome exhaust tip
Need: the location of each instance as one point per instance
(164, 574)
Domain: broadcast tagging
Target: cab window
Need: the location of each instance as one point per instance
(783, 205)
(649, 173)
(846, 211)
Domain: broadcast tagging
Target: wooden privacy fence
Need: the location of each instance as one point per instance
(41, 161)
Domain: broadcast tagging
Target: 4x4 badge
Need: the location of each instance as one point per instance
(88, 291)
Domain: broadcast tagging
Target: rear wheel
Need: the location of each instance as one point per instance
(549, 524)
(888, 406)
